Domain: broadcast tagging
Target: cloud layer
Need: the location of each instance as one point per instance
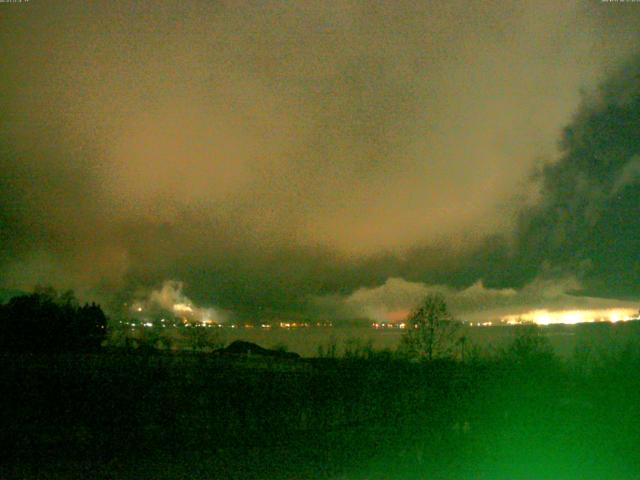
(270, 153)
(394, 300)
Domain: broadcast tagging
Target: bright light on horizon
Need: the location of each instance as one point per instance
(571, 317)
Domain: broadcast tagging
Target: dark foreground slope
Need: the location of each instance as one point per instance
(161, 416)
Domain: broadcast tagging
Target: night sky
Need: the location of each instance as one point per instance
(323, 159)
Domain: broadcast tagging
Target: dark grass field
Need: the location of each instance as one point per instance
(124, 415)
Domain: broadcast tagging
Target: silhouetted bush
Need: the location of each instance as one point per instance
(530, 348)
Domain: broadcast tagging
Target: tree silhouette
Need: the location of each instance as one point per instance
(431, 330)
(47, 322)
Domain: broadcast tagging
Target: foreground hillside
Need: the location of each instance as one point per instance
(125, 415)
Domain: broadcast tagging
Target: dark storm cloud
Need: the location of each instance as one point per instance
(587, 217)
(267, 153)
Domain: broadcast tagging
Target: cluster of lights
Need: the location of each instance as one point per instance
(184, 322)
(288, 325)
(189, 314)
(293, 324)
(481, 324)
(387, 325)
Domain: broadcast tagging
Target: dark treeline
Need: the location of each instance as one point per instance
(46, 321)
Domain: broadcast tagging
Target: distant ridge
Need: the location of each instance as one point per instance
(240, 347)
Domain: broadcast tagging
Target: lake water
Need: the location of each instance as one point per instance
(563, 338)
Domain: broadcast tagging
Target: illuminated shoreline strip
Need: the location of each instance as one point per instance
(572, 317)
